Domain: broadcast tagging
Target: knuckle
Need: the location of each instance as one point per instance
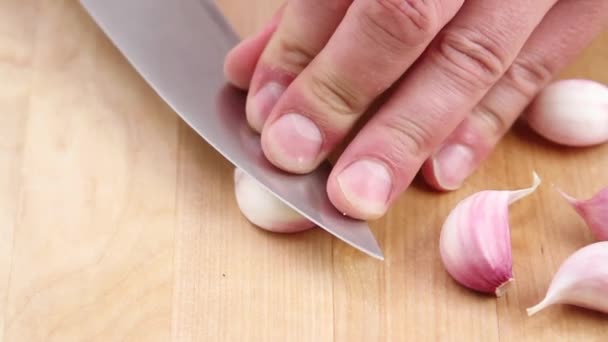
(335, 95)
(474, 59)
(494, 121)
(529, 75)
(411, 140)
(294, 55)
(397, 24)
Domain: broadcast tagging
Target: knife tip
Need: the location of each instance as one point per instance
(375, 252)
(377, 255)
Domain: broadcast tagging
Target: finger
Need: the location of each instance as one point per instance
(373, 46)
(566, 30)
(304, 30)
(240, 62)
(459, 67)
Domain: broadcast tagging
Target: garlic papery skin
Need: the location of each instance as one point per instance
(594, 212)
(582, 280)
(475, 241)
(571, 112)
(264, 209)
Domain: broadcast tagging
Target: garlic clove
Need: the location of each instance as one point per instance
(582, 280)
(571, 112)
(594, 212)
(475, 241)
(264, 209)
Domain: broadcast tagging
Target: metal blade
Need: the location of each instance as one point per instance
(178, 47)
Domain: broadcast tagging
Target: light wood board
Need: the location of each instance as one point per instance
(117, 222)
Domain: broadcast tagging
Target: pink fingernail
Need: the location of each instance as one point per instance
(452, 165)
(366, 185)
(294, 143)
(262, 103)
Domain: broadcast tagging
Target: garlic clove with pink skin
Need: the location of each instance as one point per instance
(571, 112)
(264, 209)
(594, 212)
(475, 241)
(582, 280)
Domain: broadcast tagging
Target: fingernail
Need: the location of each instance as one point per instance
(366, 185)
(294, 143)
(262, 103)
(452, 165)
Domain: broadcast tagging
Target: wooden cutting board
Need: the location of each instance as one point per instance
(117, 222)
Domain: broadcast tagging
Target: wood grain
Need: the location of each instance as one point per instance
(118, 223)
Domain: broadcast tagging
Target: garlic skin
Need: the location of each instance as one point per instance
(582, 280)
(594, 212)
(475, 242)
(571, 112)
(264, 209)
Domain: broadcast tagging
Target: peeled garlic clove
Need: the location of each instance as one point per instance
(582, 280)
(594, 211)
(571, 112)
(264, 209)
(475, 242)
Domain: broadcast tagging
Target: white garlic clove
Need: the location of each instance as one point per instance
(582, 280)
(475, 242)
(264, 209)
(594, 212)
(571, 112)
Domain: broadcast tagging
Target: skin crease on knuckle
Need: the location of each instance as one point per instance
(296, 45)
(395, 25)
(293, 55)
(528, 75)
(473, 59)
(335, 95)
(409, 139)
(305, 28)
(494, 123)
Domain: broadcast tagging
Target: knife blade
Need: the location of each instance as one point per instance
(178, 47)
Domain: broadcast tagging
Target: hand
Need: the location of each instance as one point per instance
(459, 74)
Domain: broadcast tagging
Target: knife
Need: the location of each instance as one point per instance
(178, 47)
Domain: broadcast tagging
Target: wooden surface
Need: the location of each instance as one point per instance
(118, 223)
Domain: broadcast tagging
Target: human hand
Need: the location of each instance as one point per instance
(457, 75)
